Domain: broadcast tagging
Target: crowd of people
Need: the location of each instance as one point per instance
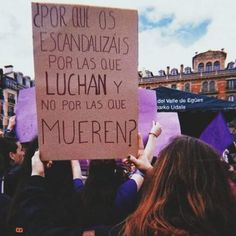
(188, 189)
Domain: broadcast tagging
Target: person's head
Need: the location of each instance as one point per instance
(11, 152)
(22, 177)
(105, 171)
(187, 191)
(101, 168)
(99, 192)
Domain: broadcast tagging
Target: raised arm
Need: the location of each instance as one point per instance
(153, 135)
(37, 165)
(76, 169)
(77, 175)
(127, 193)
(10, 131)
(144, 158)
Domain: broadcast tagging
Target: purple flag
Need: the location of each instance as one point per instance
(148, 112)
(26, 116)
(170, 128)
(217, 134)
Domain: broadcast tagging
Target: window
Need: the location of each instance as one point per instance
(231, 98)
(11, 111)
(2, 111)
(23, 81)
(162, 73)
(27, 83)
(212, 86)
(149, 74)
(187, 70)
(187, 87)
(201, 67)
(174, 71)
(209, 66)
(32, 83)
(9, 83)
(11, 96)
(216, 65)
(231, 84)
(205, 87)
(230, 65)
(19, 78)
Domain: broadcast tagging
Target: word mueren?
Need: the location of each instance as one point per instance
(83, 132)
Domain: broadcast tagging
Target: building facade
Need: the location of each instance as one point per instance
(208, 75)
(10, 84)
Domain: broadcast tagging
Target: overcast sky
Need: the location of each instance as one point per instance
(170, 32)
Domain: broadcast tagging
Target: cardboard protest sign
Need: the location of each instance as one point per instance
(26, 116)
(86, 81)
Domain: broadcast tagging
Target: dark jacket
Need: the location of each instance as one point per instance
(4, 206)
(36, 213)
(11, 180)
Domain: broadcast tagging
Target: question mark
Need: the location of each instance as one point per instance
(130, 132)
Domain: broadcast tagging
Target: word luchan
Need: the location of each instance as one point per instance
(76, 84)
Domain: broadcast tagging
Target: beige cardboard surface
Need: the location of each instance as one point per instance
(86, 81)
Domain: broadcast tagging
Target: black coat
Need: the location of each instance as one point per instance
(37, 213)
(4, 206)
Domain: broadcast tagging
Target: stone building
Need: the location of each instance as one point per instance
(208, 75)
(10, 83)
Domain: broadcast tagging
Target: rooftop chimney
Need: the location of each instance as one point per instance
(8, 69)
(167, 70)
(181, 69)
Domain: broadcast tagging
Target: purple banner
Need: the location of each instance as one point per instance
(26, 116)
(148, 112)
(170, 128)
